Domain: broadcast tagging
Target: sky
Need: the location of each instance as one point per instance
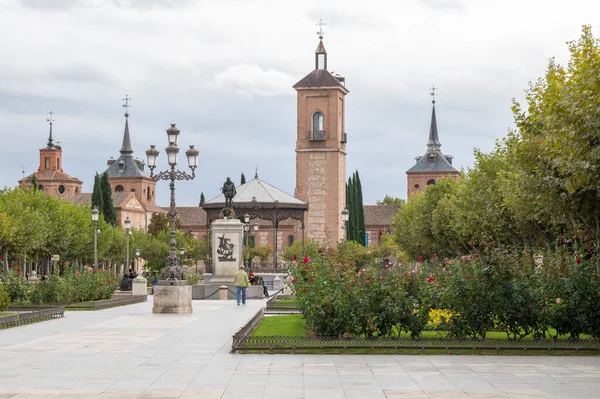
(223, 71)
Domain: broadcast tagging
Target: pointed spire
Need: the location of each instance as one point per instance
(50, 121)
(320, 53)
(434, 142)
(256, 172)
(126, 149)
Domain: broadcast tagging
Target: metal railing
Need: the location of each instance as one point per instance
(292, 344)
(244, 333)
(30, 314)
(108, 303)
(319, 135)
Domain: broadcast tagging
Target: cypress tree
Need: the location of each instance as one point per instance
(108, 209)
(350, 206)
(33, 180)
(242, 179)
(360, 211)
(202, 199)
(97, 193)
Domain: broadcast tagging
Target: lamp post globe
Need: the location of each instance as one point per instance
(345, 217)
(127, 225)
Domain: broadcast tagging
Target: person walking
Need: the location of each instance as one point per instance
(241, 282)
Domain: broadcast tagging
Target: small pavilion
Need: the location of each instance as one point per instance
(261, 200)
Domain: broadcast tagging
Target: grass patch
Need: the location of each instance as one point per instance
(281, 326)
(6, 314)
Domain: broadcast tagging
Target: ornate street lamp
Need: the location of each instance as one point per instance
(345, 216)
(127, 225)
(137, 259)
(174, 270)
(95, 213)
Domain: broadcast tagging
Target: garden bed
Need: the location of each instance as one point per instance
(107, 303)
(288, 334)
(20, 315)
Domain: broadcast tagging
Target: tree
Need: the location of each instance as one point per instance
(389, 200)
(160, 222)
(202, 199)
(97, 199)
(360, 221)
(108, 208)
(33, 180)
(350, 206)
(242, 179)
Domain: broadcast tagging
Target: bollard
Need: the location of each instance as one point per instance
(223, 292)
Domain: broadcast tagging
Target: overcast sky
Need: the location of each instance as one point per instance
(223, 71)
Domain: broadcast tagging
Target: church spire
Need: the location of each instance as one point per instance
(126, 149)
(320, 53)
(434, 142)
(50, 121)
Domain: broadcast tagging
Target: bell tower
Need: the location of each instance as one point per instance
(321, 149)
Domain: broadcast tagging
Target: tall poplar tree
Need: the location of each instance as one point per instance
(97, 194)
(108, 209)
(360, 210)
(242, 179)
(202, 199)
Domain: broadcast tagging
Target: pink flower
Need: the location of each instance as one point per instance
(430, 279)
(368, 252)
(306, 260)
(557, 300)
(419, 259)
(320, 251)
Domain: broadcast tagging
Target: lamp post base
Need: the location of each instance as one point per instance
(172, 296)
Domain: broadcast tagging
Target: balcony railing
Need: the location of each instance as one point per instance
(317, 136)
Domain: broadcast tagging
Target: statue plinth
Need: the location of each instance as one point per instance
(227, 249)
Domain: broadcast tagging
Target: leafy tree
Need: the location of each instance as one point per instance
(242, 179)
(389, 200)
(202, 199)
(108, 208)
(160, 222)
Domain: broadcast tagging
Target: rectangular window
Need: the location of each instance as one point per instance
(290, 240)
(47, 163)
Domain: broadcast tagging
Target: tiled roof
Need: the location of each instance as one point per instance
(54, 175)
(189, 216)
(130, 168)
(86, 198)
(319, 78)
(259, 191)
(380, 215)
(432, 161)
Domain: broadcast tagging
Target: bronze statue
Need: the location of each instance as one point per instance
(228, 190)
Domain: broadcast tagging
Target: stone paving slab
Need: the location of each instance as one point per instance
(129, 352)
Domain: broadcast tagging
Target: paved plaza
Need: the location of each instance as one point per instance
(128, 352)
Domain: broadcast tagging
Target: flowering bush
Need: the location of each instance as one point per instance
(4, 298)
(338, 297)
(75, 286)
(15, 284)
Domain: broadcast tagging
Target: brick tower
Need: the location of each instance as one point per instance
(433, 165)
(321, 150)
(50, 176)
(128, 174)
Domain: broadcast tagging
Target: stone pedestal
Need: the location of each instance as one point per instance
(277, 283)
(139, 285)
(227, 249)
(223, 292)
(172, 296)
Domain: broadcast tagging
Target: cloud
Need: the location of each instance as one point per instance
(456, 5)
(251, 80)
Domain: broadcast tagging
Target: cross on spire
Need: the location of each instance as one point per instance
(23, 170)
(126, 105)
(320, 31)
(433, 89)
(50, 121)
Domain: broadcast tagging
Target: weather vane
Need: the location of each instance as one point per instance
(50, 118)
(126, 105)
(320, 32)
(433, 89)
(23, 170)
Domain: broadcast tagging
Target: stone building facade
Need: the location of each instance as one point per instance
(321, 150)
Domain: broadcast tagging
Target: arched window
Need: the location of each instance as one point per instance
(40, 187)
(133, 190)
(149, 196)
(318, 124)
(119, 189)
(430, 182)
(61, 189)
